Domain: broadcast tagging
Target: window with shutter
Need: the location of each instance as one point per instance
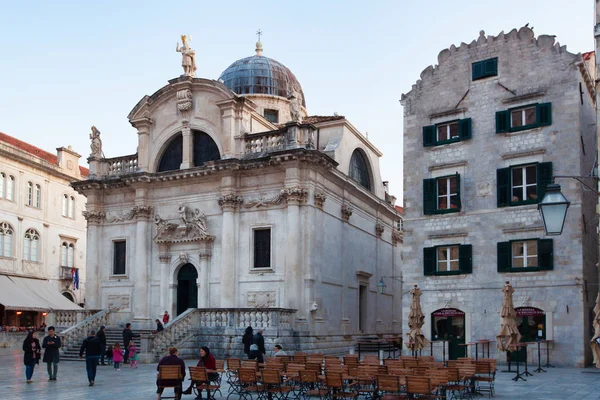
(429, 196)
(429, 261)
(441, 195)
(429, 136)
(503, 187)
(447, 132)
(447, 260)
(525, 255)
(465, 258)
(484, 69)
(545, 254)
(544, 178)
(524, 117)
(502, 121)
(504, 257)
(464, 129)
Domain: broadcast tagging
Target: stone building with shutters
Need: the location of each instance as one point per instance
(485, 131)
(238, 199)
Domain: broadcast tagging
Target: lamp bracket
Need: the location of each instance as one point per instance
(580, 180)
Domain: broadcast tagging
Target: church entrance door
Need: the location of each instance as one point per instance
(187, 290)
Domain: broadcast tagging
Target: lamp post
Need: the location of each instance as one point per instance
(553, 209)
(381, 284)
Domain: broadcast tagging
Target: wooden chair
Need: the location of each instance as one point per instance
(410, 363)
(388, 385)
(250, 364)
(456, 385)
(314, 366)
(439, 382)
(299, 358)
(366, 380)
(338, 389)
(271, 378)
(485, 376)
(170, 376)
(200, 380)
(310, 385)
(371, 359)
(332, 360)
(315, 357)
(351, 360)
(419, 386)
(392, 361)
(248, 385)
(426, 358)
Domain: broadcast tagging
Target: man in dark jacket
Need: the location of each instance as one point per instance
(92, 348)
(127, 337)
(102, 337)
(51, 355)
(259, 340)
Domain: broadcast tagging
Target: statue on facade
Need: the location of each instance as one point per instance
(96, 145)
(183, 213)
(163, 227)
(188, 57)
(200, 222)
(295, 100)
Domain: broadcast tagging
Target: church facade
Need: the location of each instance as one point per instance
(238, 199)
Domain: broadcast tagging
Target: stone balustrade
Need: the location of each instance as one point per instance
(122, 165)
(72, 336)
(265, 142)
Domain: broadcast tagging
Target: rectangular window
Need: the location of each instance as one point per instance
(38, 196)
(29, 194)
(262, 248)
(526, 255)
(10, 187)
(447, 259)
(272, 116)
(525, 117)
(523, 184)
(484, 69)
(120, 257)
(452, 259)
(71, 207)
(65, 205)
(447, 132)
(441, 195)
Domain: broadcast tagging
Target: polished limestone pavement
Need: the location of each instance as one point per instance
(140, 383)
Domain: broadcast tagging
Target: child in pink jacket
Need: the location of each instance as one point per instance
(117, 356)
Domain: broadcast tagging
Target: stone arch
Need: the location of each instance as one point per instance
(360, 169)
(173, 138)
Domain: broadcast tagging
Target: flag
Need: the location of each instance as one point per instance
(75, 273)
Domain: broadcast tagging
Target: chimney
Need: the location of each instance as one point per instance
(68, 161)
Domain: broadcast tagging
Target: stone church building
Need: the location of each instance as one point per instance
(237, 198)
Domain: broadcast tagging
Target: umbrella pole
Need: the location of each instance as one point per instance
(508, 359)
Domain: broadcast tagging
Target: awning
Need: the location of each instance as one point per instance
(17, 293)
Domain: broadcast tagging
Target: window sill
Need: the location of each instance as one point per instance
(34, 207)
(262, 271)
(5, 199)
(520, 270)
(513, 131)
(523, 203)
(32, 261)
(482, 78)
(118, 277)
(448, 273)
(8, 257)
(446, 142)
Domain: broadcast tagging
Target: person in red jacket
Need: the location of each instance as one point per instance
(209, 362)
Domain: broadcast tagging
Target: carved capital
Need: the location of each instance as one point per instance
(94, 217)
(319, 199)
(205, 255)
(142, 212)
(346, 212)
(184, 100)
(295, 195)
(230, 202)
(164, 258)
(397, 237)
(379, 229)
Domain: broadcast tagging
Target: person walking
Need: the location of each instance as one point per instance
(102, 337)
(166, 317)
(117, 356)
(127, 338)
(247, 339)
(133, 357)
(159, 326)
(51, 344)
(33, 350)
(259, 340)
(93, 349)
(171, 359)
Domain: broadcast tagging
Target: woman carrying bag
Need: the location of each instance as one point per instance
(33, 350)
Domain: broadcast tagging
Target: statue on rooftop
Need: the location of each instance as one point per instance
(295, 100)
(96, 145)
(188, 57)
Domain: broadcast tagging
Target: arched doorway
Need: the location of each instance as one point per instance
(531, 323)
(187, 290)
(449, 324)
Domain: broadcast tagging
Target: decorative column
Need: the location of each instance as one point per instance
(203, 287)
(142, 213)
(229, 203)
(294, 272)
(165, 261)
(93, 298)
(188, 148)
(184, 107)
(143, 125)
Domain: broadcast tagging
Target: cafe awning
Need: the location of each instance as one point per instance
(27, 294)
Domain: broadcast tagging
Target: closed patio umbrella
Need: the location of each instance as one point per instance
(595, 345)
(509, 335)
(416, 318)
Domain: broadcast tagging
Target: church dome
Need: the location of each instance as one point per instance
(261, 75)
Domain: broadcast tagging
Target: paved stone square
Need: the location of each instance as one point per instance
(130, 384)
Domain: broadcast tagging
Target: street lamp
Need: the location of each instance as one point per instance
(553, 209)
(381, 284)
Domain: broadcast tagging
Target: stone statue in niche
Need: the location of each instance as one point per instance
(96, 145)
(188, 57)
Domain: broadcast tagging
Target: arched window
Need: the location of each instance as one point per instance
(173, 155)
(205, 149)
(65, 205)
(10, 188)
(30, 245)
(6, 232)
(359, 169)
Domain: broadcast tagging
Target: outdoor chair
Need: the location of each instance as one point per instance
(200, 380)
(419, 386)
(314, 366)
(338, 388)
(457, 386)
(389, 386)
(250, 364)
(273, 382)
(426, 358)
(310, 385)
(299, 358)
(484, 378)
(439, 382)
(351, 360)
(249, 386)
(371, 359)
(170, 376)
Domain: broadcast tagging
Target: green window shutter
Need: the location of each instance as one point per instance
(429, 136)
(429, 261)
(464, 129)
(465, 258)
(544, 178)
(544, 114)
(545, 254)
(490, 67)
(477, 70)
(429, 196)
(504, 257)
(502, 121)
(503, 186)
(458, 191)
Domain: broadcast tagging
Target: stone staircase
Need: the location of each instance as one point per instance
(113, 335)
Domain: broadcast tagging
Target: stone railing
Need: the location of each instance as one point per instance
(265, 142)
(193, 319)
(74, 334)
(121, 165)
(67, 318)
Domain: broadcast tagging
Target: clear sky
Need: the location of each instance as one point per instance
(68, 65)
